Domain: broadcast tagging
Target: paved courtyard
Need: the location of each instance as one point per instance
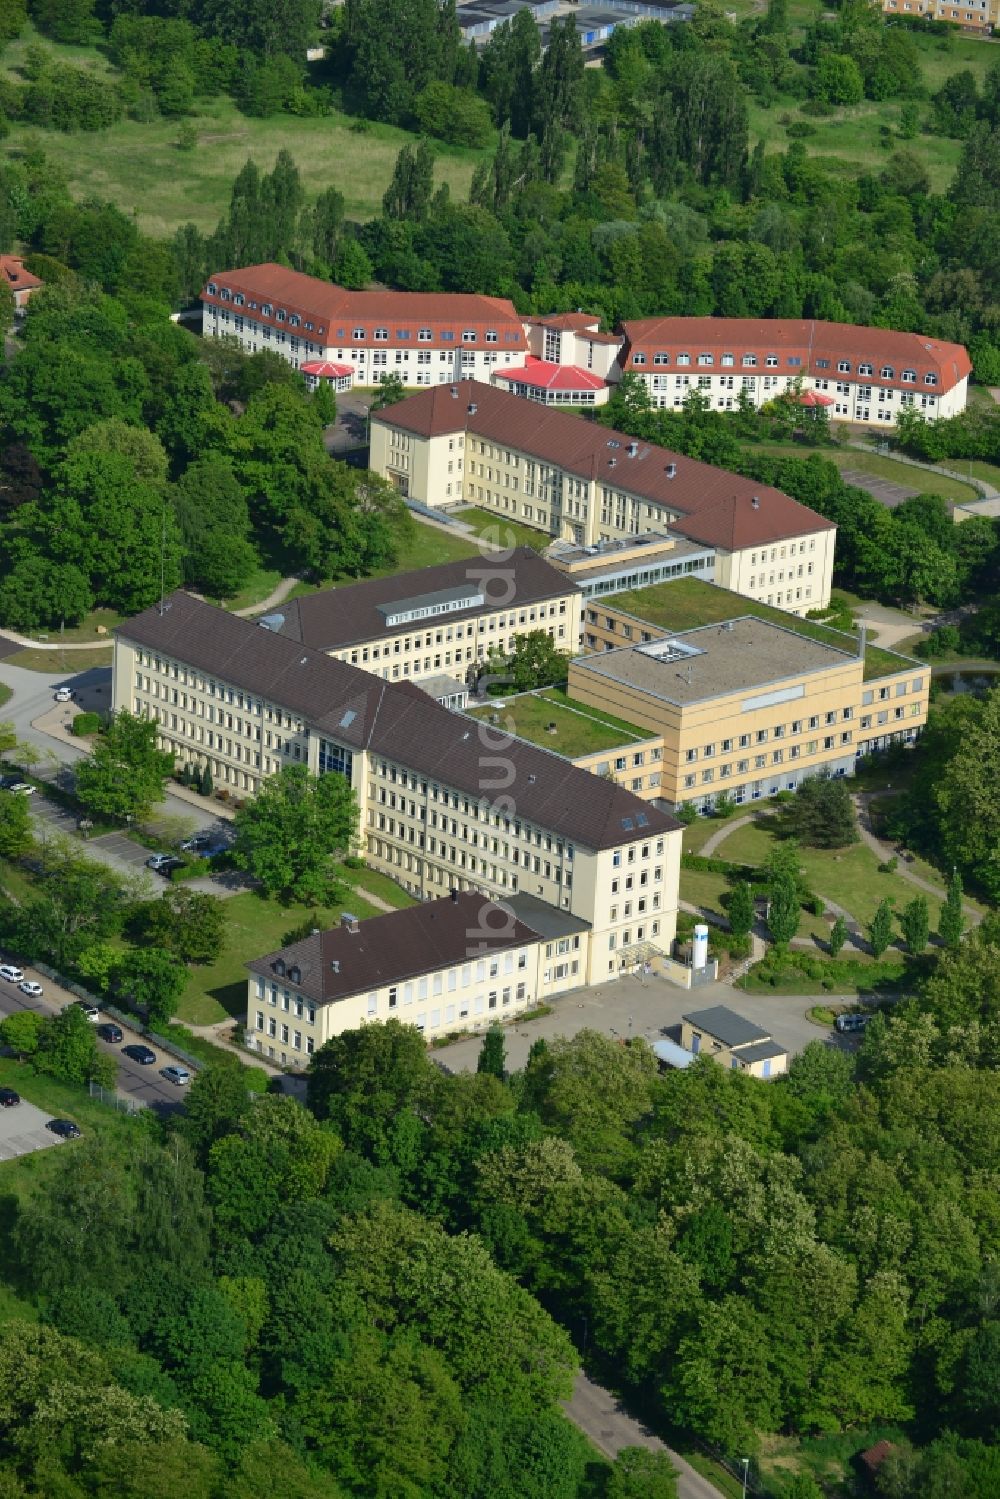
(648, 1007)
(22, 1130)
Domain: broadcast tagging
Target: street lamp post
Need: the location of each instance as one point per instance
(746, 1468)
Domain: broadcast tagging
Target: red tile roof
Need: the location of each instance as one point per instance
(684, 487)
(794, 339)
(326, 370)
(336, 312)
(543, 375)
(17, 278)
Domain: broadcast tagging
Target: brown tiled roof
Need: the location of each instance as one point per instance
(341, 617)
(393, 948)
(336, 312)
(593, 451)
(395, 720)
(733, 523)
(795, 338)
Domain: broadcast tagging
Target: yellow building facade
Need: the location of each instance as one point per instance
(589, 486)
(445, 619)
(445, 803)
(459, 963)
(746, 708)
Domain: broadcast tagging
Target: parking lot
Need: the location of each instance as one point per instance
(22, 1130)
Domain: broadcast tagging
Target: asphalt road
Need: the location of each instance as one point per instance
(602, 1418)
(143, 1085)
(33, 698)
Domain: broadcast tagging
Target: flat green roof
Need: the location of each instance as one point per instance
(579, 729)
(685, 603)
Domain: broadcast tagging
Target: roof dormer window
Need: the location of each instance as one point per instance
(864, 369)
(279, 967)
(381, 335)
(930, 379)
(749, 361)
(908, 377)
(887, 372)
(212, 289)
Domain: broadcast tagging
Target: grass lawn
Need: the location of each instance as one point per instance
(501, 532)
(854, 974)
(139, 167)
(684, 603)
(57, 664)
(580, 730)
(703, 889)
(976, 468)
(890, 469)
(428, 546)
(87, 629)
(253, 927)
(6, 693)
(373, 882)
(848, 876)
(851, 140)
(22, 1175)
(263, 583)
(697, 834)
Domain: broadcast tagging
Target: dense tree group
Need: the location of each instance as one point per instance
(377, 1293)
(142, 457)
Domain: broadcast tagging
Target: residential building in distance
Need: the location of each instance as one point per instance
(21, 282)
(438, 620)
(589, 485)
(746, 701)
(459, 962)
(423, 337)
(445, 803)
(859, 374)
(982, 16)
(733, 1042)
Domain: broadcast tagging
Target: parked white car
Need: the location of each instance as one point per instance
(12, 974)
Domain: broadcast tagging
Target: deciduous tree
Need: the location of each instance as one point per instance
(288, 835)
(125, 773)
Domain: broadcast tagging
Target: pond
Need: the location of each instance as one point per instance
(978, 680)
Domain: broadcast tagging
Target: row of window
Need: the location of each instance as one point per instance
(772, 362)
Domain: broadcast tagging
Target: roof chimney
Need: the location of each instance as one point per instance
(350, 923)
(633, 448)
(671, 470)
(755, 502)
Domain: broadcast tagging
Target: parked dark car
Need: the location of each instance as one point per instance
(111, 1032)
(8, 1098)
(144, 1055)
(64, 1128)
